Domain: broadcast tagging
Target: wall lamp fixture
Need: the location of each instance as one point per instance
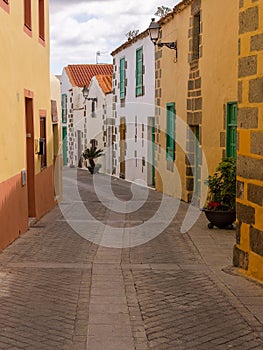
(154, 34)
(85, 92)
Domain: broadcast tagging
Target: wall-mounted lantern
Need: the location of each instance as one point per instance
(85, 92)
(154, 34)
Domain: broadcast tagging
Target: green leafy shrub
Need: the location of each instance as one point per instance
(222, 186)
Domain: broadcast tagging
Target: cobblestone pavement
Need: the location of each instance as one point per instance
(60, 291)
(44, 288)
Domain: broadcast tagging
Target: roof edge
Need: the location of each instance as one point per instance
(177, 9)
(130, 42)
(70, 76)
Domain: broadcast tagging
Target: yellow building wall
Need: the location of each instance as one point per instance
(248, 252)
(218, 72)
(172, 77)
(213, 77)
(55, 94)
(24, 64)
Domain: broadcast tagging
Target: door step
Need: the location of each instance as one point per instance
(31, 221)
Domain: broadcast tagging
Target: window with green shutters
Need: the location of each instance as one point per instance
(231, 130)
(139, 72)
(122, 78)
(170, 131)
(64, 107)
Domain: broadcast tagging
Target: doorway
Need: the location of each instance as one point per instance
(122, 147)
(30, 157)
(64, 145)
(151, 151)
(196, 165)
(109, 154)
(79, 149)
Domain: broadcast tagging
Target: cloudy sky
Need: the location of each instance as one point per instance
(80, 28)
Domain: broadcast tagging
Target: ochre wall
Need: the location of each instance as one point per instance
(171, 86)
(218, 70)
(24, 71)
(248, 252)
(200, 88)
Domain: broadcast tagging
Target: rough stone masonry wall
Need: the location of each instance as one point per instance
(248, 251)
(194, 98)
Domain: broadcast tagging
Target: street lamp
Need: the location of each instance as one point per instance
(154, 34)
(85, 92)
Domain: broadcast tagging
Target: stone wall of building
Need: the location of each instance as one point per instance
(248, 251)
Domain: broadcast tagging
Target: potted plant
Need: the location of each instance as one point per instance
(220, 209)
(90, 154)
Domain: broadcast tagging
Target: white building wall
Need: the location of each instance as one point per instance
(75, 120)
(138, 111)
(110, 131)
(78, 108)
(97, 122)
(82, 126)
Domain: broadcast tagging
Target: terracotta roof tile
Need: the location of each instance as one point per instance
(105, 82)
(81, 74)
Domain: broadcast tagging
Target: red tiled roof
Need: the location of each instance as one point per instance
(105, 82)
(81, 74)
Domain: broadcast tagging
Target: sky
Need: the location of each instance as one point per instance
(81, 28)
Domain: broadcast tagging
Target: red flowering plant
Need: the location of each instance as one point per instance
(213, 205)
(222, 186)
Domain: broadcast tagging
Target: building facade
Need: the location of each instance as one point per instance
(133, 109)
(55, 95)
(75, 108)
(26, 134)
(100, 129)
(248, 251)
(196, 95)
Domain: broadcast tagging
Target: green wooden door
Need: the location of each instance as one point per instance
(64, 145)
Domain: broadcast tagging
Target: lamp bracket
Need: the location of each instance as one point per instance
(171, 45)
(91, 99)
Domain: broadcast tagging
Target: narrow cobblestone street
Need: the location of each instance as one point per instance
(176, 291)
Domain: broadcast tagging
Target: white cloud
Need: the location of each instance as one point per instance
(78, 31)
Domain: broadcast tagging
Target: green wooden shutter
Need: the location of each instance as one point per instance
(231, 130)
(139, 72)
(122, 78)
(170, 131)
